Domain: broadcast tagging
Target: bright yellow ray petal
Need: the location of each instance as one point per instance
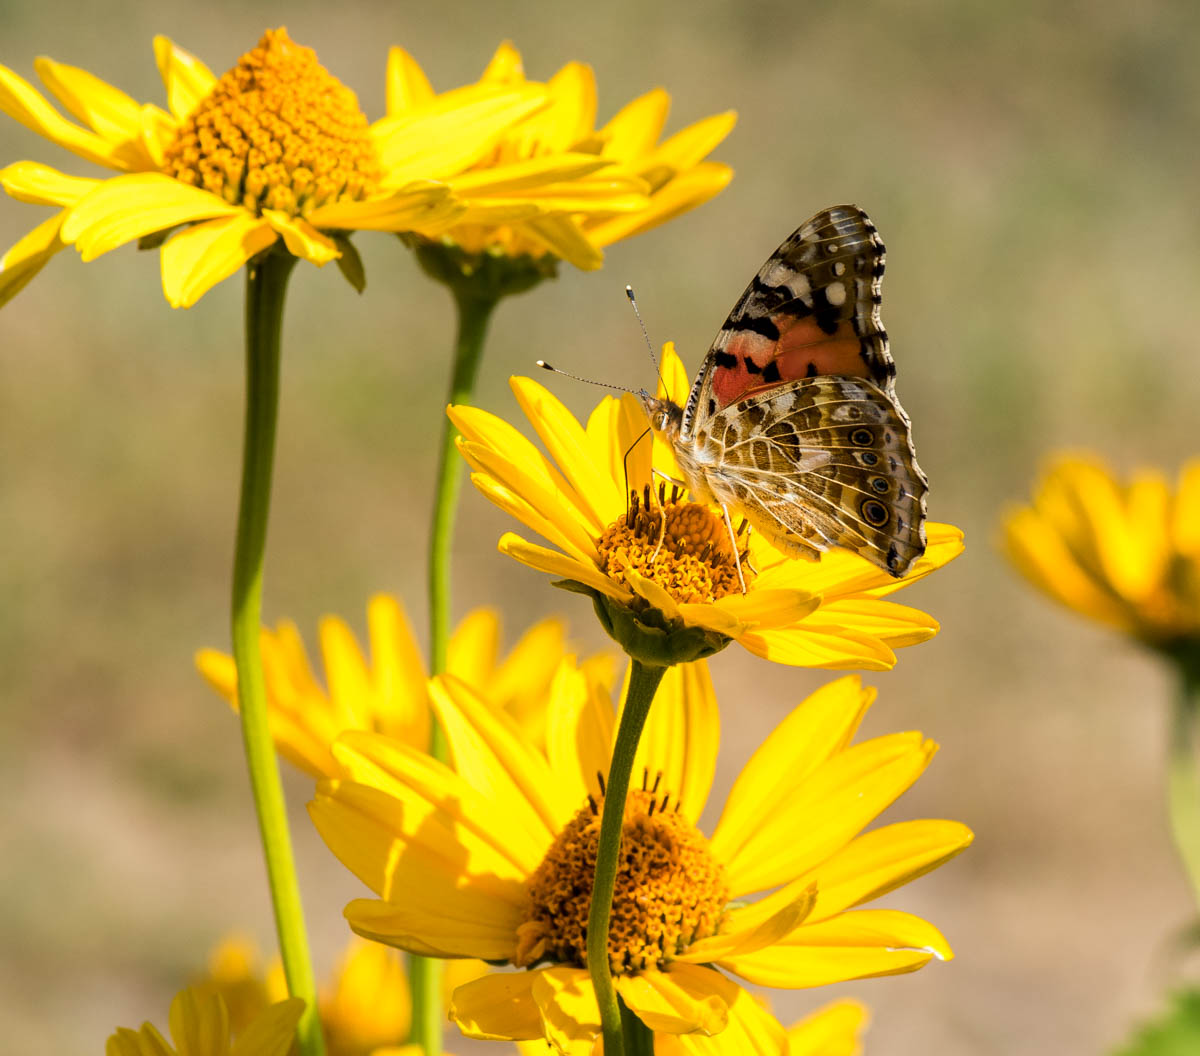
(473, 649)
(411, 207)
(770, 608)
(634, 129)
(106, 110)
(529, 174)
(684, 193)
(431, 793)
(124, 208)
(678, 1002)
(498, 1007)
(858, 945)
(681, 737)
(744, 932)
(1186, 518)
(834, 648)
(894, 625)
(452, 132)
(824, 812)
(648, 590)
(196, 259)
(272, 1032)
(397, 673)
(512, 503)
(26, 105)
(568, 1006)
(579, 732)
(199, 1023)
(186, 79)
(710, 617)
(820, 726)
(560, 565)
(531, 662)
(30, 181)
(886, 858)
(28, 256)
(407, 85)
(450, 925)
(830, 1031)
(301, 238)
(689, 147)
(488, 751)
(346, 672)
(563, 237)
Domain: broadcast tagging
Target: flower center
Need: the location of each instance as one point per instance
(278, 131)
(670, 890)
(682, 546)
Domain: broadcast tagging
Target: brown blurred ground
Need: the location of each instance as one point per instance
(1033, 171)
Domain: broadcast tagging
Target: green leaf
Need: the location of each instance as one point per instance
(1177, 1033)
(350, 263)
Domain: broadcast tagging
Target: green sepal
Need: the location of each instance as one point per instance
(490, 275)
(1177, 1033)
(647, 636)
(350, 263)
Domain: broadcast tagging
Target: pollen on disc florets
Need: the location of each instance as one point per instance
(670, 890)
(684, 547)
(278, 131)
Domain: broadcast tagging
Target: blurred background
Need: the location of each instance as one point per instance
(1033, 170)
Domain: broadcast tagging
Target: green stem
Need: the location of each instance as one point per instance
(474, 314)
(1183, 773)
(638, 1038)
(643, 682)
(266, 284)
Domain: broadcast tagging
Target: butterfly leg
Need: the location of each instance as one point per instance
(733, 542)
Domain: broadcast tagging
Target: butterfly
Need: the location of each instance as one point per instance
(793, 421)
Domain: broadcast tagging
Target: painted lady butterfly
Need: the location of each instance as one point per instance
(793, 420)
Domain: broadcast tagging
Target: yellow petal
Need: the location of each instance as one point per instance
(620, 441)
(681, 737)
(412, 207)
(498, 1007)
(26, 105)
(712, 618)
(29, 181)
(579, 732)
(803, 646)
(199, 1022)
(824, 812)
(858, 945)
(528, 175)
(748, 930)
(894, 625)
(648, 590)
(272, 1033)
(679, 1002)
(301, 238)
(688, 148)
(1186, 522)
(567, 1002)
(505, 66)
(832, 1030)
(770, 608)
(407, 85)
(347, 674)
(196, 259)
(186, 79)
(473, 649)
(24, 260)
(451, 133)
(682, 194)
(124, 208)
(454, 924)
(563, 237)
(104, 109)
(751, 1030)
(492, 757)
(397, 673)
(635, 128)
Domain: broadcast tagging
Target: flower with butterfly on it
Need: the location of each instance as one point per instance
(1124, 553)
(494, 859)
(388, 693)
(275, 152)
(660, 567)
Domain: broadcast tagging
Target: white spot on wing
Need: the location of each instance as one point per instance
(835, 294)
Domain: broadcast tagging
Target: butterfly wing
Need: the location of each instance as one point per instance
(821, 462)
(812, 309)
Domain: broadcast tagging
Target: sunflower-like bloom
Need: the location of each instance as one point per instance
(199, 1024)
(366, 1003)
(570, 188)
(494, 859)
(276, 149)
(1126, 554)
(388, 694)
(655, 559)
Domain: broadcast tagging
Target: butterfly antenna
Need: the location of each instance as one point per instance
(587, 381)
(649, 345)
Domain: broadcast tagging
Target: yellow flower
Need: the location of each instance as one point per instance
(366, 1004)
(275, 149)
(388, 694)
(569, 188)
(200, 1026)
(667, 562)
(494, 859)
(1123, 554)
(830, 1031)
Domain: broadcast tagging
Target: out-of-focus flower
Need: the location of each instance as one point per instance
(494, 858)
(276, 150)
(834, 1030)
(388, 694)
(661, 568)
(200, 1026)
(366, 1004)
(1123, 553)
(556, 186)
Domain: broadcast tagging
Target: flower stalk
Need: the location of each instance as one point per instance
(1183, 770)
(266, 284)
(643, 682)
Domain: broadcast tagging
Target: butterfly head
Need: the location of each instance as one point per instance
(666, 416)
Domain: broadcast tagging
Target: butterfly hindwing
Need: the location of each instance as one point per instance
(822, 462)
